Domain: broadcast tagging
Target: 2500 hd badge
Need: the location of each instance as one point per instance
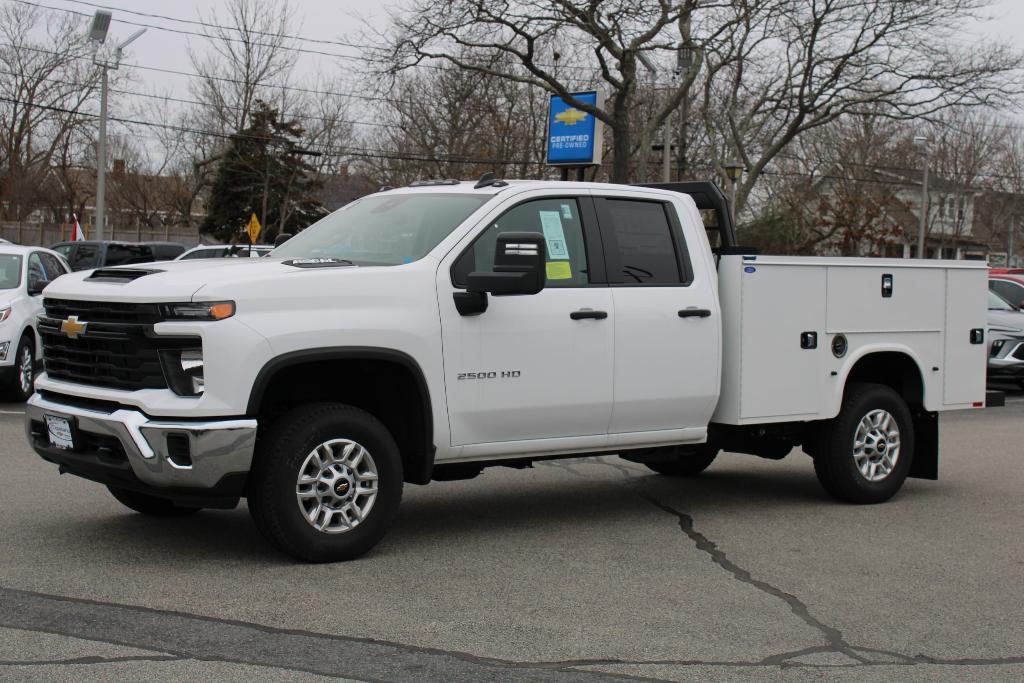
(504, 374)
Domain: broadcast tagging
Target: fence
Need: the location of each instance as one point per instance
(46, 234)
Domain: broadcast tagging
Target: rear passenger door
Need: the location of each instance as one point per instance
(666, 324)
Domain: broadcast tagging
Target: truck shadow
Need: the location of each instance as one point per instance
(470, 513)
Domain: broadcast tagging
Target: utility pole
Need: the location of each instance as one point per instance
(98, 34)
(666, 152)
(922, 230)
(1009, 241)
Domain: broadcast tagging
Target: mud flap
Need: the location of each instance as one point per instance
(926, 446)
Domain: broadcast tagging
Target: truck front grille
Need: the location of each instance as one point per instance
(117, 349)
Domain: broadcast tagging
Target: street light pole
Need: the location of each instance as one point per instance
(101, 161)
(922, 230)
(733, 171)
(98, 35)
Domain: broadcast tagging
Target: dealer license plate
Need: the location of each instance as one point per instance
(59, 429)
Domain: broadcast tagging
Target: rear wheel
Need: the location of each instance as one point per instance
(153, 506)
(864, 455)
(676, 461)
(326, 483)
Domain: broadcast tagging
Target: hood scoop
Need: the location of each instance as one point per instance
(119, 275)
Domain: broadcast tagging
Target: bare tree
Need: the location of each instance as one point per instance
(47, 80)
(769, 70)
(246, 54)
(796, 65)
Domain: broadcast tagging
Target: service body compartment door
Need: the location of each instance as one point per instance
(964, 361)
(780, 304)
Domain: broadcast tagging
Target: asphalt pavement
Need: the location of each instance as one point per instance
(570, 571)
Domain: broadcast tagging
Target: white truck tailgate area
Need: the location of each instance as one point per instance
(770, 302)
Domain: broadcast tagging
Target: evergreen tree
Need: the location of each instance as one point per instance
(263, 172)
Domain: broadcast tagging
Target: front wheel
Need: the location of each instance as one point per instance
(21, 384)
(864, 455)
(326, 482)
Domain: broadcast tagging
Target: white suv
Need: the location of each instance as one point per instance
(24, 272)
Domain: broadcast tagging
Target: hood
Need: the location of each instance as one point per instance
(7, 296)
(1009, 319)
(207, 279)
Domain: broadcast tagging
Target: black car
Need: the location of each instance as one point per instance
(86, 254)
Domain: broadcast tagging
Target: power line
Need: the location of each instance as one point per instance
(336, 152)
(290, 48)
(168, 98)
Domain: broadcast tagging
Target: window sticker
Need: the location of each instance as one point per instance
(559, 270)
(551, 223)
(566, 212)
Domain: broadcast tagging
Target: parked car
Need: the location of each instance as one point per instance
(1009, 285)
(1006, 339)
(226, 251)
(166, 251)
(24, 271)
(87, 254)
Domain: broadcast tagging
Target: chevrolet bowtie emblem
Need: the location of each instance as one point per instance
(72, 328)
(570, 116)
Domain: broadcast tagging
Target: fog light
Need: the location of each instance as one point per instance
(183, 370)
(4, 348)
(997, 346)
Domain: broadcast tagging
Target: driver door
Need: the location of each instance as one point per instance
(526, 373)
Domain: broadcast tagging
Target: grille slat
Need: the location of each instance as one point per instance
(118, 349)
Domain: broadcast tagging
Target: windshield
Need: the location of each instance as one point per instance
(10, 271)
(384, 229)
(998, 303)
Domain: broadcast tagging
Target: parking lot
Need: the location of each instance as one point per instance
(572, 570)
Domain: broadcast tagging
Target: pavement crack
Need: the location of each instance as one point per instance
(834, 641)
(91, 660)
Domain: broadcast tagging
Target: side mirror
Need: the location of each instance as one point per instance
(36, 287)
(519, 259)
(282, 238)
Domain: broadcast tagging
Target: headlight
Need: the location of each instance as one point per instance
(213, 310)
(5, 313)
(183, 370)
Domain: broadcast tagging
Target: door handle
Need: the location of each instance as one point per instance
(588, 313)
(695, 313)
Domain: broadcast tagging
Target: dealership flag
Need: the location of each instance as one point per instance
(76, 230)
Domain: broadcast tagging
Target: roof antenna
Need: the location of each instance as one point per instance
(488, 179)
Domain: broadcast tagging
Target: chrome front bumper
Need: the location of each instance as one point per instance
(216, 448)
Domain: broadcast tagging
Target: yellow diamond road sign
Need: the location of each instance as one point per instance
(253, 229)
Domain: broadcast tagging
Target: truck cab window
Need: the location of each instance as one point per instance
(639, 243)
(557, 219)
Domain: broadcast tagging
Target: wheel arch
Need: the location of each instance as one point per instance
(311, 375)
(900, 370)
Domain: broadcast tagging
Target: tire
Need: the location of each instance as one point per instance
(20, 385)
(686, 463)
(153, 506)
(872, 415)
(310, 469)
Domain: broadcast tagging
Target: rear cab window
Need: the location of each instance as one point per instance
(643, 243)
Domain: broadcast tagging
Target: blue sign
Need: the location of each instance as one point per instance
(574, 136)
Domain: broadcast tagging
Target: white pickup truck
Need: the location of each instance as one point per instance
(426, 332)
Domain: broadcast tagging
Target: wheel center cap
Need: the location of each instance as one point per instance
(342, 487)
(881, 447)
